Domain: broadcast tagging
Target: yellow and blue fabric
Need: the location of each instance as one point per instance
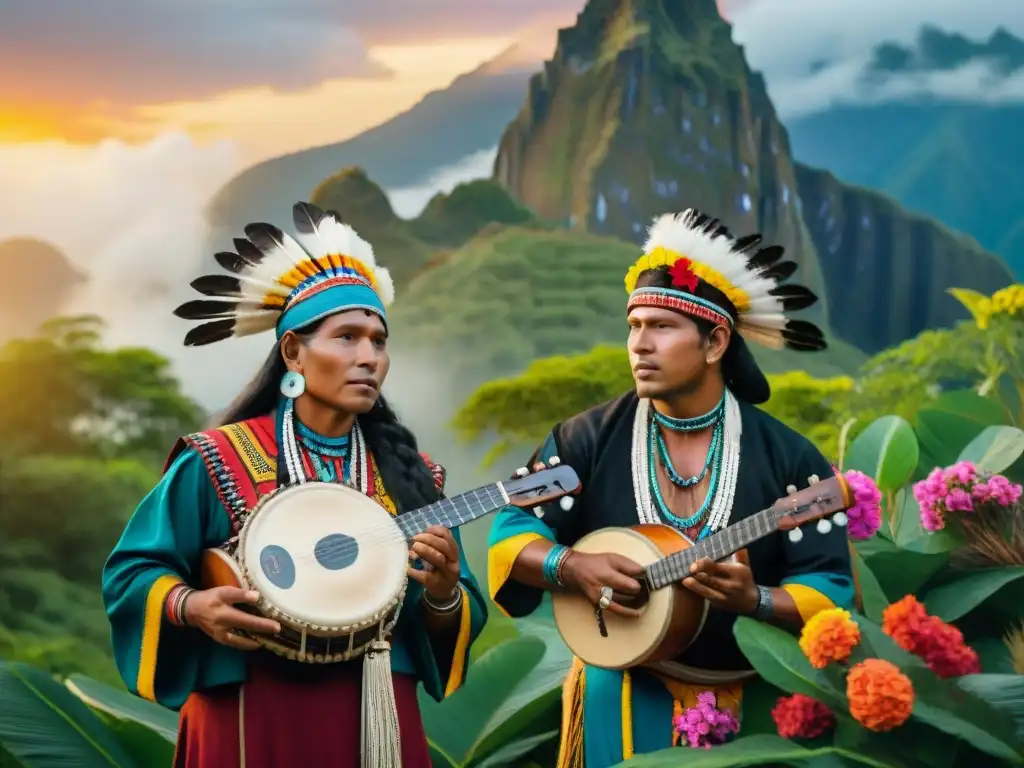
(277, 281)
(610, 716)
(161, 547)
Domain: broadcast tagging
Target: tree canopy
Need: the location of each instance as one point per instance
(86, 429)
(521, 409)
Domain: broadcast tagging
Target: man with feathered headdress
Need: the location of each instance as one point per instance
(688, 448)
(314, 413)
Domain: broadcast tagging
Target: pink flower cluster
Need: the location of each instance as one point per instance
(958, 488)
(865, 516)
(705, 725)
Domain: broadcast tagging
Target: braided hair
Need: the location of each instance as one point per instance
(395, 452)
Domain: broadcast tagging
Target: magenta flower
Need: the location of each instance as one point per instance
(959, 488)
(865, 516)
(705, 725)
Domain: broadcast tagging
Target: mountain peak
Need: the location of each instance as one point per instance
(676, 31)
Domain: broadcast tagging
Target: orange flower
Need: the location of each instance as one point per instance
(881, 697)
(902, 621)
(829, 636)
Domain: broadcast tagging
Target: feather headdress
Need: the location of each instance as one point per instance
(281, 282)
(688, 249)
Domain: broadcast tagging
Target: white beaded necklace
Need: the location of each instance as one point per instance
(293, 457)
(721, 506)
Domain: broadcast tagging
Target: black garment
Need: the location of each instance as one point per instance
(598, 444)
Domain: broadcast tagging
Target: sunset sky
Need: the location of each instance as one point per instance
(274, 76)
(270, 75)
(119, 119)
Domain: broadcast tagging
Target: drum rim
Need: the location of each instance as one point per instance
(269, 610)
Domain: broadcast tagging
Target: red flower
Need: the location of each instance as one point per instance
(683, 276)
(939, 644)
(801, 717)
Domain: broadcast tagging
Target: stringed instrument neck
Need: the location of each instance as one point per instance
(812, 503)
(718, 546)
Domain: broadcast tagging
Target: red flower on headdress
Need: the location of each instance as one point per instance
(683, 276)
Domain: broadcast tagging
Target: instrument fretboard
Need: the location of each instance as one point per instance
(718, 546)
(454, 511)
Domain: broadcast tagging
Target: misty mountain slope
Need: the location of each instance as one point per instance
(441, 129)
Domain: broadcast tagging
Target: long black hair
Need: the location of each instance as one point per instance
(394, 448)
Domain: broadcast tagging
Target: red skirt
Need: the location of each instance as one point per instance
(291, 715)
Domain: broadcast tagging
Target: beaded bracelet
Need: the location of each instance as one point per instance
(763, 611)
(444, 608)
(553, 562)
(174, 605)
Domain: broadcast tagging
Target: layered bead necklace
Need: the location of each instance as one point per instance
(712, 463)
(332, 458)
(328, 455)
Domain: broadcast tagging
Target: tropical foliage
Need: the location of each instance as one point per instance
(85, 430)
(937, 630)
(986, 355)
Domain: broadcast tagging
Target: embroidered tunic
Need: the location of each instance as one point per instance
(293, 714)
(631, 713)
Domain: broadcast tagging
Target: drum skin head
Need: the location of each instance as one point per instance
(324, 557)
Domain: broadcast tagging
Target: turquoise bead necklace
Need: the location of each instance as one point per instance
(335, 449)
(712, 464)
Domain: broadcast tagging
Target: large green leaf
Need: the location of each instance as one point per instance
(994, 655)
(774, 653)
(457, 723)
(1004, 692)
(949, 423)
(958, 598)
(43, 725)
(535, 703)
(146, 746)
(943, 704)
(995, 449)
(758, 750)
(125, 706)
(759, 698)
(909, 534)
(886, 451)
(514, 752)
(871, 591)
(899, 571)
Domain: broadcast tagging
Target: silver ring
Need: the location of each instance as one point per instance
(606, 598)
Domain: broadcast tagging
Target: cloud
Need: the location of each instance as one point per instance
(131, 219)
(392, 21)
(828, 47)
(409, 202)
(127, 52)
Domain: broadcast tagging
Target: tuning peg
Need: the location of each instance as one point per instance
(795, 534)
(824, 526)
(812, 479)
(554, 461)
(538, 511)
(840, 519)
(522, 472)
(566, 503)
(790, 489)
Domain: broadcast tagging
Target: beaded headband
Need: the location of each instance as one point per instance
(689, 250)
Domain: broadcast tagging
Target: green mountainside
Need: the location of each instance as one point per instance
(648, 106)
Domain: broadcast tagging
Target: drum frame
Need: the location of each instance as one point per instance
(300, 640)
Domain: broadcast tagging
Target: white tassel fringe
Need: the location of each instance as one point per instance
(381, 741)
